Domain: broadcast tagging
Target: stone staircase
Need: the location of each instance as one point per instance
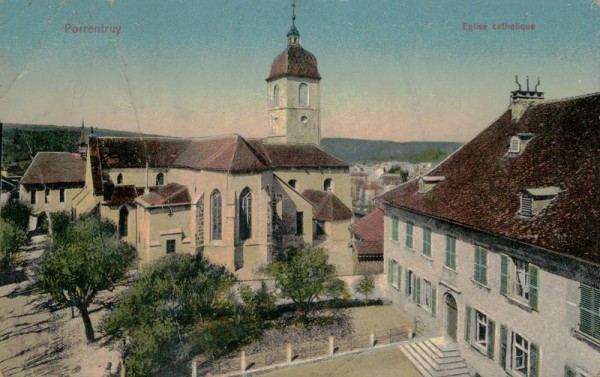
(436, 357)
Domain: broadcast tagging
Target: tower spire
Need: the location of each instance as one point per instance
(293, 35)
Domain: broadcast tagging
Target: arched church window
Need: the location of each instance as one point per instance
(303, 95)
(245, 214)
(328, 185)
(276, 96)
(216, 216)
(120, 179)
(160, 179)
(123, 226)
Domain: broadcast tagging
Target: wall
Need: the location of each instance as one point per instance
(549, 327)
(54, 204)
(314, 179)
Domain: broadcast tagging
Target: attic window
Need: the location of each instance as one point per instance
(426, 183)
(533, 201)
(518, 143)
(515, 144)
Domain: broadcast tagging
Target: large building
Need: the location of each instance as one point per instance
(236, 201)
(498, 248)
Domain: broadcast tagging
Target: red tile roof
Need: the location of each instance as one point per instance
(232, 154)
(327, 206)
(124, 195)
(171, 194)
(368, 247)
(482, 184)
(369, 227)
(294, 61)
(55, 167)
(297, 155)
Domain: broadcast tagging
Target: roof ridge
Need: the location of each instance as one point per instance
(564, 99)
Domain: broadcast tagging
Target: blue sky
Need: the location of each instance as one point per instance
(392, 69)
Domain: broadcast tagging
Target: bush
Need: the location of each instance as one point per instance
(11, 239)
(17, 213)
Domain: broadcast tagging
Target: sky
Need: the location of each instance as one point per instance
(391, 69)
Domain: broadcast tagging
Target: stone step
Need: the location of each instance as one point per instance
(436, 358)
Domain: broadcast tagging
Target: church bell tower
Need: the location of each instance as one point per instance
(294, 94)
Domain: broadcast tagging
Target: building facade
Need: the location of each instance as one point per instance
(497, 248)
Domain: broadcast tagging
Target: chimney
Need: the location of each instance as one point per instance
(520, 100)
(82, 145)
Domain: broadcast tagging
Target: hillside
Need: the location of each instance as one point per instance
(355, 150)
(21, 142)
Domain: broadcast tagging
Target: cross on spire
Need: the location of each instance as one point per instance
(293, 12)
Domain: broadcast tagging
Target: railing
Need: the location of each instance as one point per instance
(289, 353)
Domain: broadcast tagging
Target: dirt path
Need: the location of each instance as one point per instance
(38, 341)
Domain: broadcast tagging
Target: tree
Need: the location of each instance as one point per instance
(304, 276)
(87, 259)
(11, 240)
(365, 286)
(180, 307)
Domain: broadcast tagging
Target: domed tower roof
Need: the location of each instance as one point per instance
(294, 61)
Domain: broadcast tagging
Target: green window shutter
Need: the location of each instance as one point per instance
(468, 320)
(394, 228)
(569, 372)
(407, 283)
(409, 234)
(534, 360)
(491, 339)
(427, 242)
(476, 264)
(589, 309)
(417, 291)
(399, 277)
(503, 274)
(451, 252)
(533, 286)
(389, 271)
(483, 264)
(503, 341)
(433, 300)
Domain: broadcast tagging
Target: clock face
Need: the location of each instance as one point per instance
(304, 120)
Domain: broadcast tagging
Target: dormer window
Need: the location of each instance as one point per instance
(515, 145)
(518, 143)
(426, 183)
(533, 201)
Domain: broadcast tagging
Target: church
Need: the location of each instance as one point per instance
(238, 202)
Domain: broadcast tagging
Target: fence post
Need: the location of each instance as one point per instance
(194, 368)
(331, 349)
(372, 339)
(289, 353)
(243, 362)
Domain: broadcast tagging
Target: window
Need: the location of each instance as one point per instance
(215, 215)
(123, 222)
(299, 223)
(523, 357)
(33, 194)
(427, 242)
(245, 214)
(276, 96)
(589, 312)
(429, 298)
(450, 252)
(170, 246)
(47, 196)
(483, 333)
(526, 205)
(393, 273)
(515, 145)
(409, 286)
(160, 179)
(328, 185)
(394, 228)
(120, 179)
(409, 235)
(303, 95)
(519, 280)
(480, 274)
(61, 195)
(571, 371)
(292, 183)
